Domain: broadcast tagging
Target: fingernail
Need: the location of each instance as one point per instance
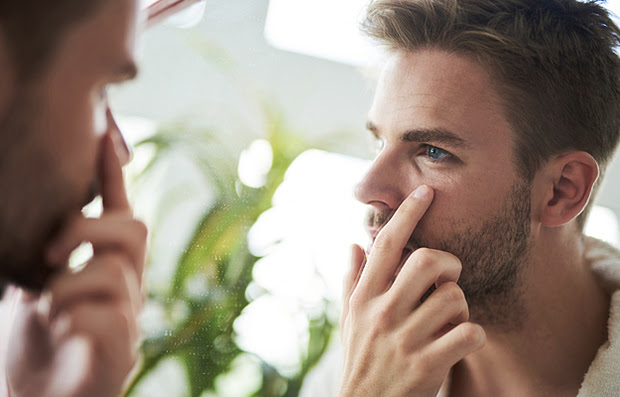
(422, 192)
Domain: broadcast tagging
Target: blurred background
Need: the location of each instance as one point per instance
(248, 127)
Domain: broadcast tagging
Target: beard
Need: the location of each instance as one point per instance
(36, 197)
(493, 253)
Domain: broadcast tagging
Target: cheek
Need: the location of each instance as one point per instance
(77, 147)
(456, 201)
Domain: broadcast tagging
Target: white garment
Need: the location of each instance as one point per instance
(602, 378)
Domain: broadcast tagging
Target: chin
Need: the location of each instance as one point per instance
(22, 259)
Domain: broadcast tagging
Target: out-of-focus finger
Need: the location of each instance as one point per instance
(387, 249)
(110, 232)
(106, 278)
(358, 259)
(111, 328)
(424, 268)
(113, 191)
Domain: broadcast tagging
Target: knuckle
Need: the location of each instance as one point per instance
(453, 293)
(356, 303)
(471, 334)
(384, 314)
(140, 229)
(115, 265)
(122, 318)
(402, 346)
(453, 258)
(454, 261)
(424, 258)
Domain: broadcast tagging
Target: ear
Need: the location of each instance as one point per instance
(567, 186)
(7, 74)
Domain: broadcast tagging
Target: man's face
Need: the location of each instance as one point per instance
(438, 122)
(52, 135)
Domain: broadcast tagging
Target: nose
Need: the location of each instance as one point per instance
(122, 149)
(387, 182)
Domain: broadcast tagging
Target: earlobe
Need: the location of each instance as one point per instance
(569, 183)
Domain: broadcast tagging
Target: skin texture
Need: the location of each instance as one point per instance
(79, 336)
(501, 253)
(52, 130)
(450, 97)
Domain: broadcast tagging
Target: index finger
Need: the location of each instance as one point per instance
(113, 191)
(388, 247)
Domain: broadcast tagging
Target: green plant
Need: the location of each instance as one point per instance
(217, 254)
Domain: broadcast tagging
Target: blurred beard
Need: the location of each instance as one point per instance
(493, 252)
(36, 198)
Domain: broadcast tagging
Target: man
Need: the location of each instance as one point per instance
(494, 120)
(73, 333)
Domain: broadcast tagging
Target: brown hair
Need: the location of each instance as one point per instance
(553, 62)
(33, 29)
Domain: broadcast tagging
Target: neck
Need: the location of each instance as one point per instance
(563, 326)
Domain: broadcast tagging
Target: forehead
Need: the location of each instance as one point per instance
(104, 40)
(433, 89)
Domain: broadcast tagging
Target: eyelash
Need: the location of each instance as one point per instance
(425, 148)
(447, 156)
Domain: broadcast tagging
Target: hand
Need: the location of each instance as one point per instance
(80, 337)
(395, 345)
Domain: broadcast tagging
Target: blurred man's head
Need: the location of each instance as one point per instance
(487, 102)
(57, 60)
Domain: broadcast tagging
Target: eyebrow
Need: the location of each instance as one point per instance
(440, 136)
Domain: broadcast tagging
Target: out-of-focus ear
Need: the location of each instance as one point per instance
(7, 74)
(566, 185)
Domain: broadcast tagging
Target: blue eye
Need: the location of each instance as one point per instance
(436, 153)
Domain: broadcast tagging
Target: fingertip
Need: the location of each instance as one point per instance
(357, 250)
(113, 191)
(423, 192)
(112, 160)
